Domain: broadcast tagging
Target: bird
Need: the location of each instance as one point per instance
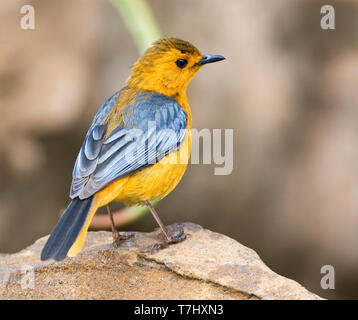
(136, 149)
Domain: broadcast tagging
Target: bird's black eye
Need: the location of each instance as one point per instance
(181, 63)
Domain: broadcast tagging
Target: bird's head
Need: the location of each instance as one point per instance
(168, 66)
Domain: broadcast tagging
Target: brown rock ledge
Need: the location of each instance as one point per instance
(207, 265)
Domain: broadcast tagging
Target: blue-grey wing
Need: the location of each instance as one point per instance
(152, 128)
(86, 161)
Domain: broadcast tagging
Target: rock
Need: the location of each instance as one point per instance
(207, 265)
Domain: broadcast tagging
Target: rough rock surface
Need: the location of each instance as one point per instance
(207, 265)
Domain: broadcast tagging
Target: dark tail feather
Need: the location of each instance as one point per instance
(67, 230)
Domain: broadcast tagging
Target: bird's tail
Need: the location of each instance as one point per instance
(68, 236)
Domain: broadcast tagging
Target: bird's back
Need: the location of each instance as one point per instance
(102, 165)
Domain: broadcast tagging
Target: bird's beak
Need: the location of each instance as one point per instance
(209, 58)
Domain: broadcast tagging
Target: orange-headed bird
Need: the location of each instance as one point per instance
(137, 147)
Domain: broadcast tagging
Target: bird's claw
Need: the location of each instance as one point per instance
(177, 237)
(118, 237)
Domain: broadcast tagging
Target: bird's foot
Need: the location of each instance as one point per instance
(177, 236)
(118, 237)
(171, 237)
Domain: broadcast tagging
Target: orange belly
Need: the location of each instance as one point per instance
(151, 183)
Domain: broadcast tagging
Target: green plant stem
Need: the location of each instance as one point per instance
(121, 217)
(139, 20)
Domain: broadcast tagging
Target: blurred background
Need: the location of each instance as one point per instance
(288, 89)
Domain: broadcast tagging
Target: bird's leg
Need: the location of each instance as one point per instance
(115, 233)
(177, 237)
(117, 237)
